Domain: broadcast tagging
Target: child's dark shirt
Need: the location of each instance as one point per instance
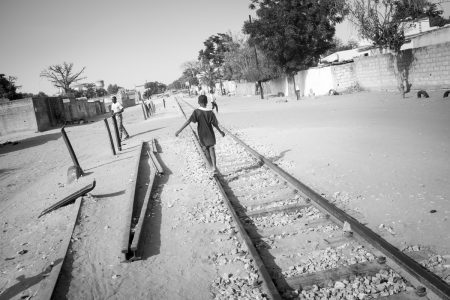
(205, 119)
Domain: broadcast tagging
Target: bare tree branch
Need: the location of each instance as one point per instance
(61, 76)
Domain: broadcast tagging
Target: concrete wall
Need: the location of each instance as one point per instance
(41, 110)
(17, 116)
(315, 81)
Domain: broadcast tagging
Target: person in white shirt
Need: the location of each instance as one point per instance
(117, 110)
(213, 101)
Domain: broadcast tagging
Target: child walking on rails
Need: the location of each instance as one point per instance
(205, 120)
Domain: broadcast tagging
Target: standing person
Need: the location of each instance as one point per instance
(164, 102)
(205, 120)
(213, 101)
(117, 110)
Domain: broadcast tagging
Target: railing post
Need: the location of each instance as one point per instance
(71, 152)
(110, 136)
(116, 129)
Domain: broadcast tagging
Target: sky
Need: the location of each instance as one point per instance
(120, 42)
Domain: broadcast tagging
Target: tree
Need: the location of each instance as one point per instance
(153, 87)
(8, 87)
(384, 23)
(112, 89)
(41, 95)
(211, 58)
(62, 76)
(190, 71)
(294, 33)
(341, 46)
(245, 62)
(101, 92)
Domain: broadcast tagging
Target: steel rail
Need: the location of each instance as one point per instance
(140, 224)
(48, 283)
(267, 282)
(72, 197)
(125, 246)
(413, 268)
(429, 279)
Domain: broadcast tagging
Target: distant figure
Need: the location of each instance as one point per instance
(117, 110)
(213, 101)
(205, 120)
(164, 102)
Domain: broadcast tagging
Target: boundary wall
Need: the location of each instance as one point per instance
(425, 68)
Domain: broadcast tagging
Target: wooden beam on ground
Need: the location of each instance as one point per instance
(125, 246)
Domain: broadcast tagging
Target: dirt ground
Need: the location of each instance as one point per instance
(382, 158)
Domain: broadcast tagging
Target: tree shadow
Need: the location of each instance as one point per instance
(108, 163)
(9, 147)
(25, 283)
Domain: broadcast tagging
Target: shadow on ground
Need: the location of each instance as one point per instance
(28, 142)
(26, 282)
(144, 132)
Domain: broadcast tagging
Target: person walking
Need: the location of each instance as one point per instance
(213, 101)
(205, 120)
(117, 110)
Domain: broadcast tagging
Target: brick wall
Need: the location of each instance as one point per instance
(375, 72)
(427, 68)
(343, 77)
(430, 67)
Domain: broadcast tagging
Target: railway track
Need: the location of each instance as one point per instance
(304, 246)
(146, 171)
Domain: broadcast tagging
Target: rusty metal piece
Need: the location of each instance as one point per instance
(140, 224)
(155, 162)
(143, 110)
(71, 152)
(48, 283)
(116, 130)
(125, 247)
(72, 197)
(110, 137)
